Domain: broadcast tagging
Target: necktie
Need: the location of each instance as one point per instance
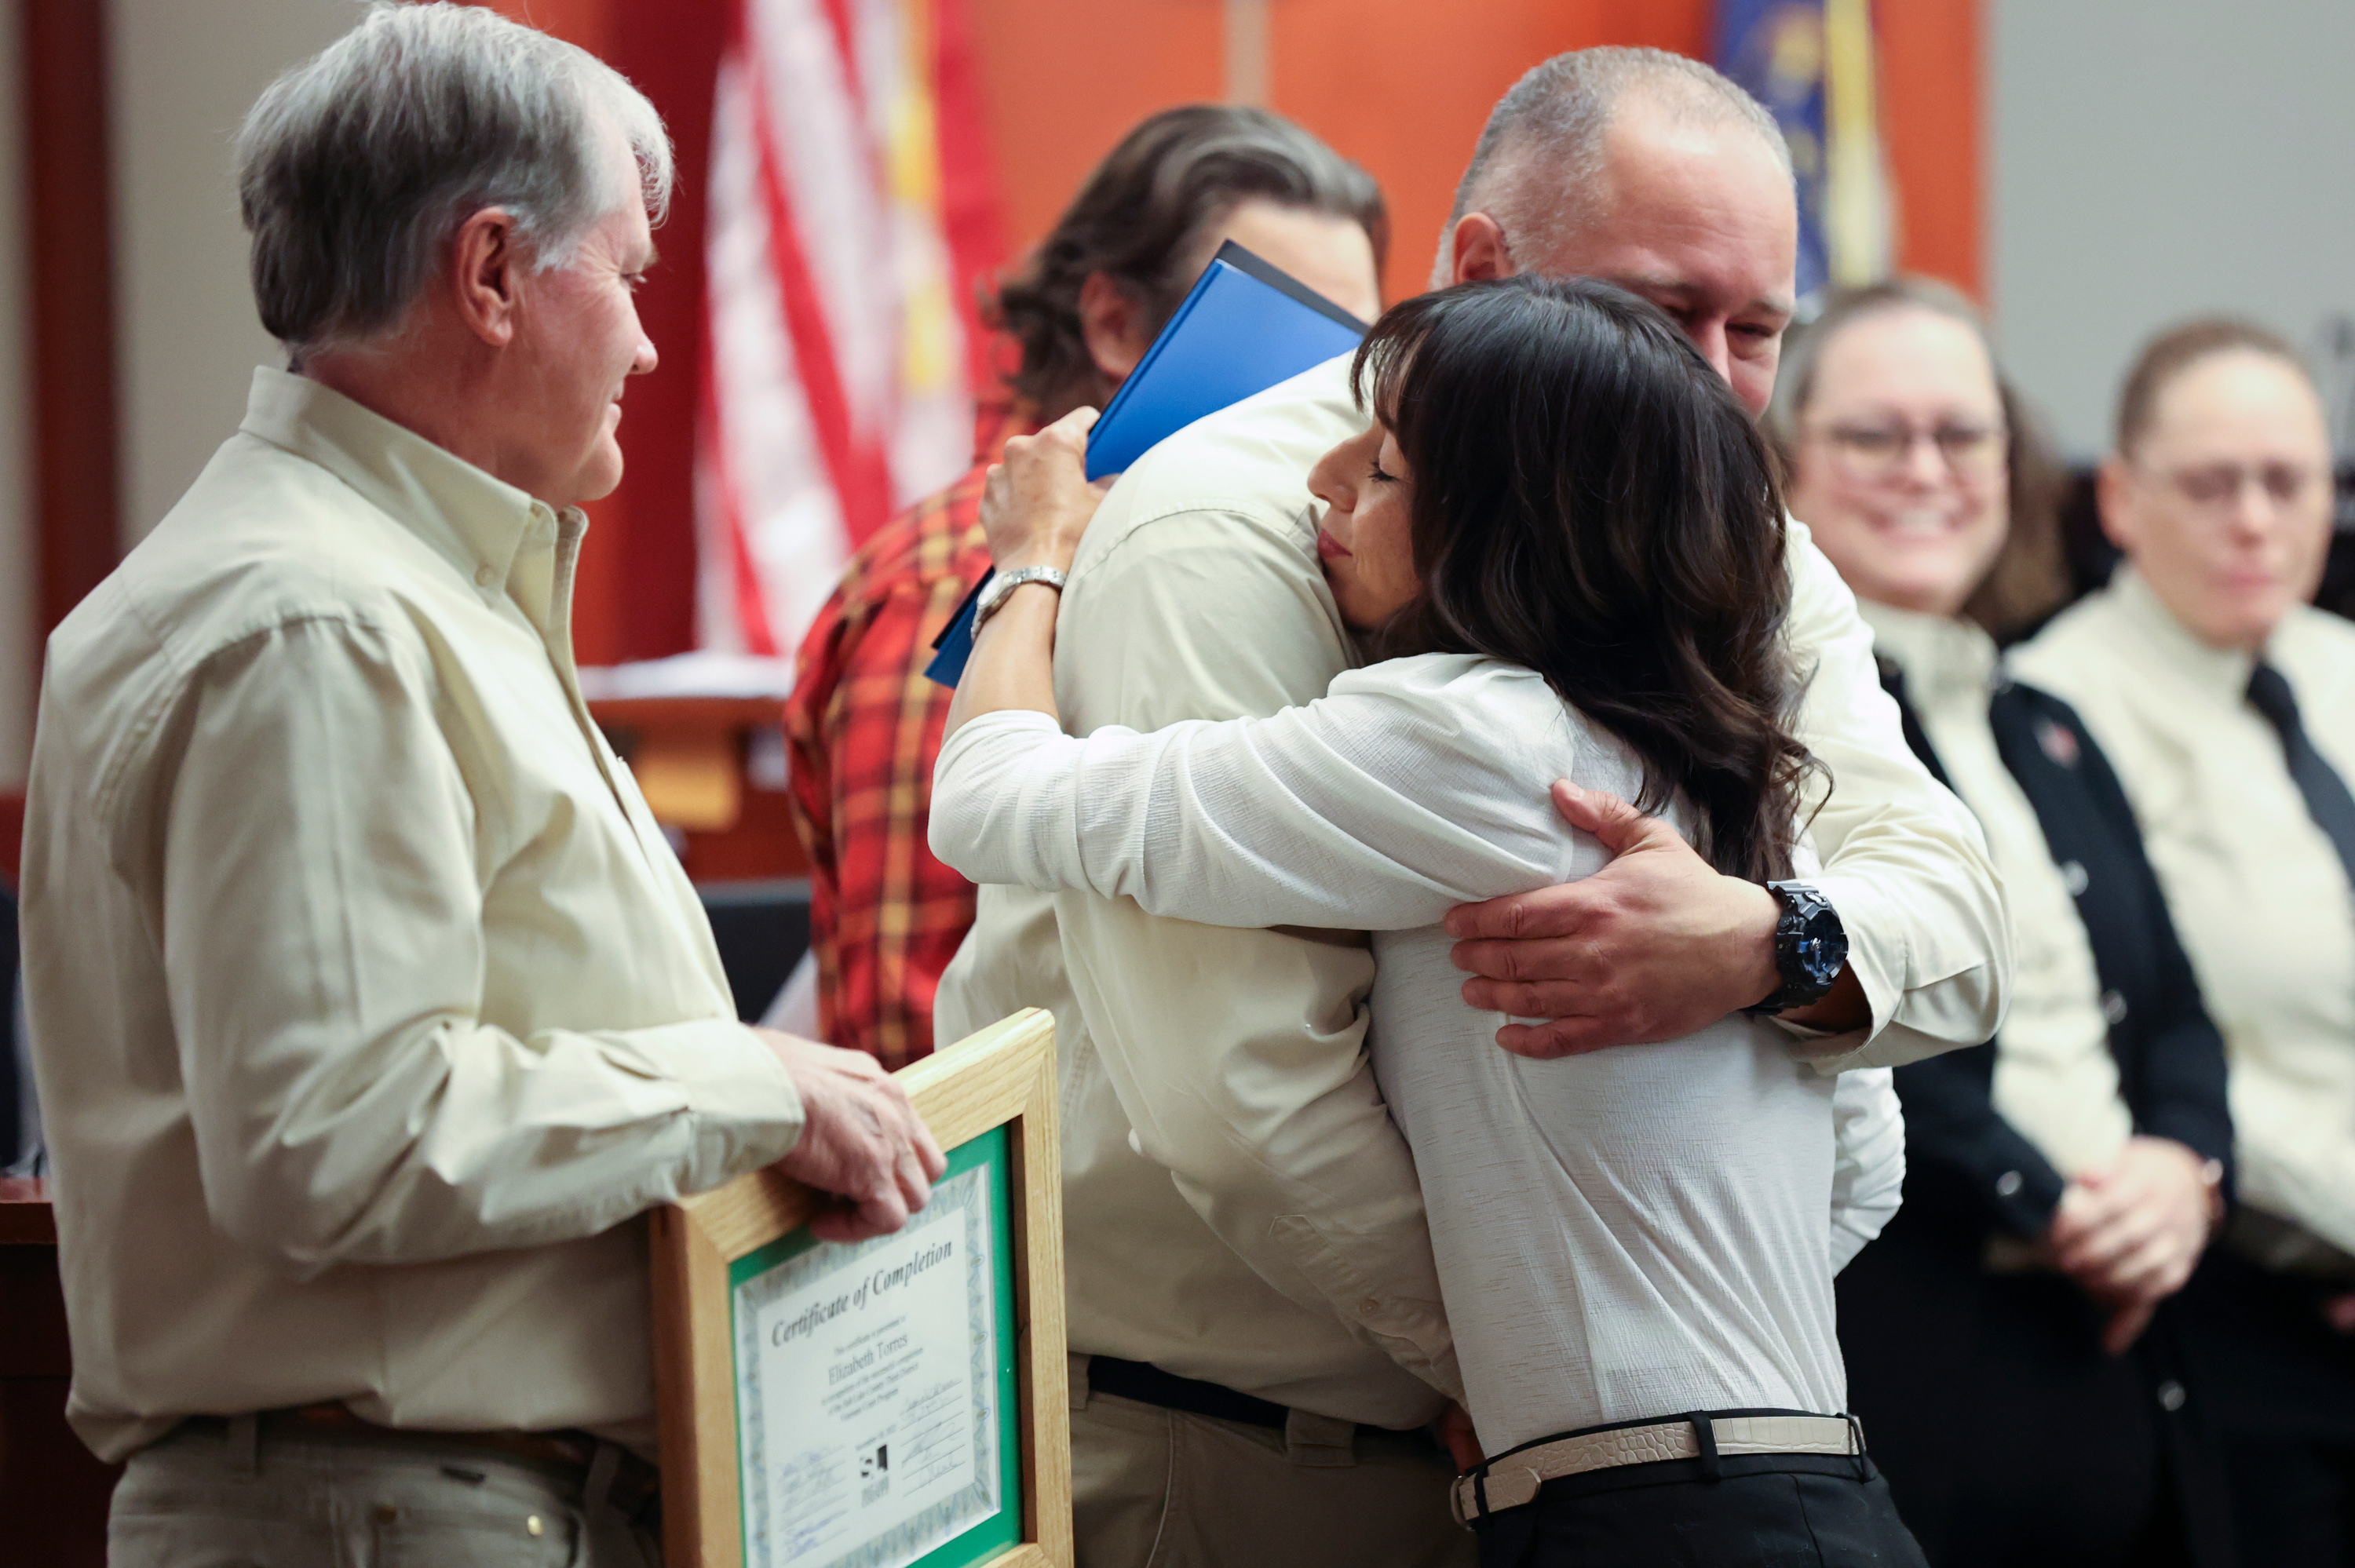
(2327, 800)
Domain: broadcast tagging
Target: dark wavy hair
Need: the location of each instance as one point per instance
(1592, 501)
(1144, 218)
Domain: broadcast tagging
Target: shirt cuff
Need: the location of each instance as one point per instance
(1882, 962)
(739, 1099)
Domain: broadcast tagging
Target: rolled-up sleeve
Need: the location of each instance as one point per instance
(323, 945)
(1905, 861)
(1360, 809)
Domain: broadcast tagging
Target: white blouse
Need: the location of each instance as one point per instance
(1622, 1235)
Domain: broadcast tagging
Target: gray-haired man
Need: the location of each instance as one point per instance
(369, 1004)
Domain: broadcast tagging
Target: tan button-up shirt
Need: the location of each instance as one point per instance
(2256, 890)
(368, 1003)
(1238, 1206)
(2055, 1079)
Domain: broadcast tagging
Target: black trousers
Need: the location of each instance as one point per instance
(2009, 1438)
(2285, 1389)
(1765, 1510)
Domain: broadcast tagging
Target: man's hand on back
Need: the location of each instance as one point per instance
(1656, 945)
(861, 1140)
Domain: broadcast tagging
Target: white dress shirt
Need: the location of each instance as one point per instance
(2258, 894)
(2055, 1079)
(367, 1002)
(1238, 1206)
(1621, 1235)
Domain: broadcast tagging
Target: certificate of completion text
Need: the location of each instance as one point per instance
(867, 1396)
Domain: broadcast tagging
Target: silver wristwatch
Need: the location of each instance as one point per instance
(1004, 584)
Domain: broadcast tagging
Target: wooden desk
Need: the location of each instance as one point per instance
(689, 757)
(687, 752)
(53, 1491)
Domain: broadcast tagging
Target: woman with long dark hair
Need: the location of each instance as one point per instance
(1563, 540)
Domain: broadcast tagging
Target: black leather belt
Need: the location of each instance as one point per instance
(1148, 1384)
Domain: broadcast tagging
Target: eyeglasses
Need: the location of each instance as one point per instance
(1881, 452)
(2215, 487)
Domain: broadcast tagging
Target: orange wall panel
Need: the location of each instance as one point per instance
(1404, 86)
(1930, 112)
(1065, 80)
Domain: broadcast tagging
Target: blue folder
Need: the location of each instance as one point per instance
(1246, 326)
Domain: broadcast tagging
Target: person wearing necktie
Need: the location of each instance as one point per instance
(2063, 1179)
(2228, 705)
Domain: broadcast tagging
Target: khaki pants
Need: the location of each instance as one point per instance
(202, 1499)
(1164, 1489)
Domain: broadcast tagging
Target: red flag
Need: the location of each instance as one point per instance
(853, 218)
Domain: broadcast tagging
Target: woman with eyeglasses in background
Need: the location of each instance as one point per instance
(2062, 1178)
(2229, 703)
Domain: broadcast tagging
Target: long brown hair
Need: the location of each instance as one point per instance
(1144, 218)
(1592, 501)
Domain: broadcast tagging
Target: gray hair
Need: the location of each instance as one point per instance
(356, 167)
(1541, 151)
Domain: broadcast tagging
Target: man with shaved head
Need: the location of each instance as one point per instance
(1653, 171)
(1259, 1343)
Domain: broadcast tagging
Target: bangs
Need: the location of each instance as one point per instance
(1378, 377)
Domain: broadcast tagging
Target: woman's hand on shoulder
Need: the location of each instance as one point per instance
(1037, 502)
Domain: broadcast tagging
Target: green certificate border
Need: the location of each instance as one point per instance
(1002, 1529)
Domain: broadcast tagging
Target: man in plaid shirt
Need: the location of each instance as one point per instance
(864, 724)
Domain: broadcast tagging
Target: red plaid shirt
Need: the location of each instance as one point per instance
(864, 728)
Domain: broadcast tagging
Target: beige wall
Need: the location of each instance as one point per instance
(187, 340)
(17, 658)
(2153, 159)
(186, 337)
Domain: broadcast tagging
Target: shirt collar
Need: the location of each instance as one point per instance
(1944, 658)
(2224, 670)
(478, 523)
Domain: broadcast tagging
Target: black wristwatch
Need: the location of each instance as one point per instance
(1810, 946)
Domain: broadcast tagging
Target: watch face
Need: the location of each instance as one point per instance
(1821, 953)
(1814, 943)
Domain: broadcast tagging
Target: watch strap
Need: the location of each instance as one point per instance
(1002, 586)
(1803, 905)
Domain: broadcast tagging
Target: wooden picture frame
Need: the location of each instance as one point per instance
(990, 1101)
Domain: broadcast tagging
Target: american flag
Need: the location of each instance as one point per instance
(1814, 65)
(853, 216)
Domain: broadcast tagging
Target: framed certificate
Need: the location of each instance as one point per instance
(898, 1403)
